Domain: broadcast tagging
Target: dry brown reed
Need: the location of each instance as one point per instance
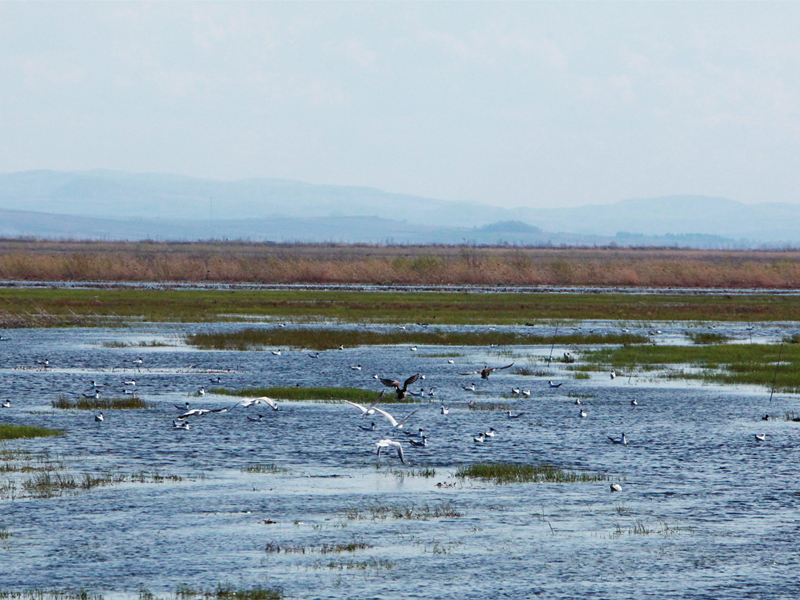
(267, 263)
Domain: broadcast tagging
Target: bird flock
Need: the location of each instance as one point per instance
(397, 438)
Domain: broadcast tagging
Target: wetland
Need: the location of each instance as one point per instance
(296, 503)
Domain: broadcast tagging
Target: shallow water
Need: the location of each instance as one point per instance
(705, 511)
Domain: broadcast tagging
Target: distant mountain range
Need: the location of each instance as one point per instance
(115, 206)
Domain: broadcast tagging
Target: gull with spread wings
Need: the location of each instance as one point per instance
(395, 423)
(370, 410)
(487, 370)
(401, 391)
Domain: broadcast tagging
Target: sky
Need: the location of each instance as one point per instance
(524, 104)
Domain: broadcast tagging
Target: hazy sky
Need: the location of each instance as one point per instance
(521, 104)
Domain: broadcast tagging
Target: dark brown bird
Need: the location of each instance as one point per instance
(486, 371)
(401, 391)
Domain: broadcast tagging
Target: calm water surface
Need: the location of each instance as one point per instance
(705, 511)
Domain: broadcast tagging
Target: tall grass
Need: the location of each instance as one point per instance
(395, 265)
(523, 473)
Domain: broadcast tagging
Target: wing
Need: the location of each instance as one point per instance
(406, 417)
(268, 401)
(410, 380)
(389, 417)
(362, 408)
(471, 372)
(373, 405)
(400, 454)
(501, 368)
(390, 383)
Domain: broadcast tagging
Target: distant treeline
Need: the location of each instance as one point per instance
(269, 263)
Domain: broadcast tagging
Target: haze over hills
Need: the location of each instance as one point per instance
(114, 205)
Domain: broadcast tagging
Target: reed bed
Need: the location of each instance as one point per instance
(126, 403)
(751, 364)
(396, 265)
(319, 338)
(504, 473)
(101, 306)
(301, 393)
(14, 432)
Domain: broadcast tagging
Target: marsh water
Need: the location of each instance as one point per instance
(300, 500)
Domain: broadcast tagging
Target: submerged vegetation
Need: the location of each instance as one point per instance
(521, 473)
(13, 432)
(377, 511)
(184, 592)
(319, 338)
(753, 364)
(264, 468)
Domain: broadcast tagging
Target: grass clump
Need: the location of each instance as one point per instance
(301, 393)
(228, 592)
(502, 473)
(126, 403)
(14, 432)
(699, 337)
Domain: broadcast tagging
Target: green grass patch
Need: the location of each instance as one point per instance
(301, 393)
(708, 338)
(751, 364)
(501, 473)
(127, 403)
(321, 338)
(42, 307)
(14, 432)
